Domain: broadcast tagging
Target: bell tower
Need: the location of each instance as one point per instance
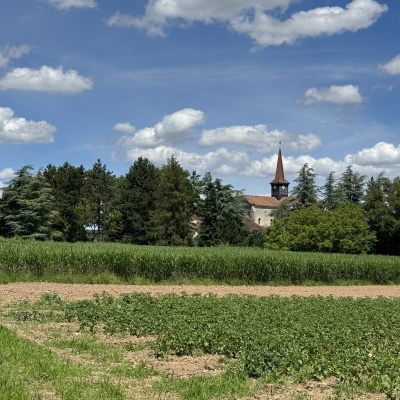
(279, 186)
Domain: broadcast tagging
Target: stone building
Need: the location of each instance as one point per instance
(258, 208)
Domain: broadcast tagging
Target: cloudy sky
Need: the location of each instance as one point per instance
(217, 84)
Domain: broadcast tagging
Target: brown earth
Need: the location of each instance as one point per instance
(33, 291)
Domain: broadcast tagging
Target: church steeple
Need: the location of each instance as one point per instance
(279, 186)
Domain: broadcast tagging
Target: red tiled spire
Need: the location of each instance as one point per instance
(279, 174)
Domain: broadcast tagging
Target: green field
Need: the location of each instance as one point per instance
(107, 263)
(120, 348)
(92, 349)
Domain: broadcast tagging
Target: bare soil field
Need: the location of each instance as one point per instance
(33, 291)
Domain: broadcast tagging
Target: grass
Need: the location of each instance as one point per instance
(30, 371)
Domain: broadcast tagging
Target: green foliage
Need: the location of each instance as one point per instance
(356, 341)
(382, 205)
(99, 194)
(99, 262)
(330, 193)
(221, 209)
(169, 221)
(340, 230)
(67, 184)
(305, 192)
(137, 201)
(27, 206)
(351, 186)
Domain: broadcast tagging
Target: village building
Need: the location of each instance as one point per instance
(258, 208)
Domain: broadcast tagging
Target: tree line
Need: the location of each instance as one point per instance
(167, 205)
(346, 215)
(148, 206)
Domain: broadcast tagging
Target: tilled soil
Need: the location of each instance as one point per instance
(33, 291)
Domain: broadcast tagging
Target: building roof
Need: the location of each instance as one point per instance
(279, 174)
(263, 201)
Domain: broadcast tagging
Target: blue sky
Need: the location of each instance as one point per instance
(217, 84)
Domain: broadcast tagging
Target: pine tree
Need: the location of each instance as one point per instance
(351, 186)
(305, 191)
(331, 197)
(98, 199)
(27, 206)
(169, 222)
(222, 212)
(382, 205)
(137, 201)
(67, 183)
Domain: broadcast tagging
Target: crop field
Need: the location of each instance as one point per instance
(137, 345)
(118, 263)
(181, 346)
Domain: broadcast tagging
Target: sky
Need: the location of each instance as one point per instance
(219, 85)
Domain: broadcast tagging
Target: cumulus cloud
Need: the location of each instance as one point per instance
(339, 95)
(381, 155)
(124, 127)
(392, 67)
(21, 131)
(260, 138)
(174, 128)
(255, 18)
(46, 79)
(6, 173)
(224, 162)
(8, 53)
(67, 4)
(221, 161)
(322, 21)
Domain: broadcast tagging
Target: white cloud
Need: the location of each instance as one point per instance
(160, 13)
(21, 131)
(125, 127)
(8, 53)
(221, 161)
(174, 128)
(67, 4)
(251, 17)
(339, 95)
(46, 79)
(392, 67)
(260, 138)
(266, 30)
(381, 155)
(7, 173)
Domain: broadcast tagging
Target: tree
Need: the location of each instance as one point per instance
(137, 201)
(382, 205)
(169, 221)
(27, 206)
(67, 183)
(310, 229)
(344, 229)
(96, 206)
(331, 197)
(351, 186)
(305, 191)
(352, 233)
(222, 212)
